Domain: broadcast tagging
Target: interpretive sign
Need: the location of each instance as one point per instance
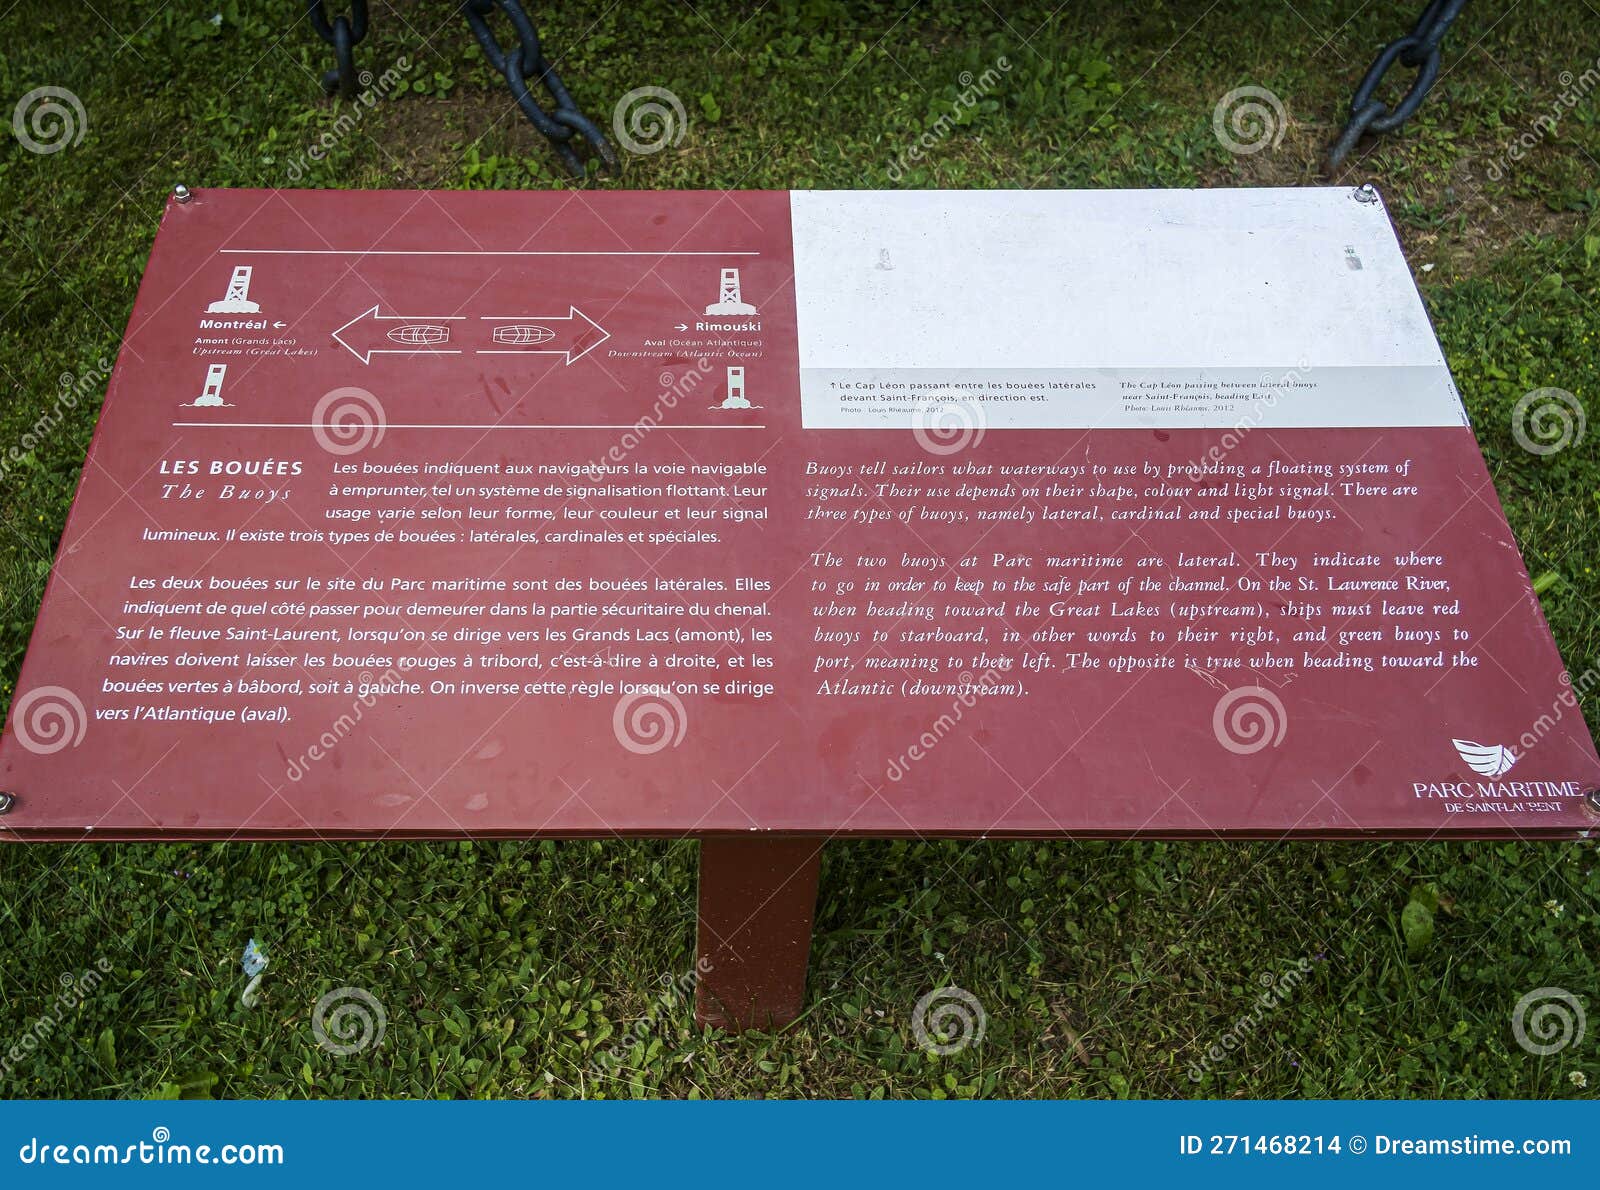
(1044, 513)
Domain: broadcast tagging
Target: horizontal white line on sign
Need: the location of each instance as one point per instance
(412, 425)
(455, 252)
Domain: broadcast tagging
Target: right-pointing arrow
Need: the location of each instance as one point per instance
(573, 334)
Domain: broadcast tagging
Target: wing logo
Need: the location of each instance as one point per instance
(1491, 760)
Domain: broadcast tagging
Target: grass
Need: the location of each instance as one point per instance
(1106, 969)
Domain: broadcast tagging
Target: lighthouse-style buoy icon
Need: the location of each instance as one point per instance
(237, 300)
(729, 300)
(213, 393)
(735, 398)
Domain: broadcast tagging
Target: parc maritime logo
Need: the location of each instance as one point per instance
(1494, 761)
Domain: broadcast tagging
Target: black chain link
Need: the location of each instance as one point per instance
(528, 62)
(343, 34)
(1418, 50)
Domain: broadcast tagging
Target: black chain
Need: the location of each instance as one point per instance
(528, 62)
(1418, 50)
(342, 33)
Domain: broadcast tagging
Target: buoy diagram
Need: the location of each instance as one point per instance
(730, 296)
(734, 397)
(211, 396)
(237, 299)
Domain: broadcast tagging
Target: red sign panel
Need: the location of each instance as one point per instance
(428, 514)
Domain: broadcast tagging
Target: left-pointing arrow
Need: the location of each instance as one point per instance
(370, 333)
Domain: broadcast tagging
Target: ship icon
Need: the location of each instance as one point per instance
(419, 334)
(523, 336)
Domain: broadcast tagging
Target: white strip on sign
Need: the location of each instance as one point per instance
(1109, 309)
